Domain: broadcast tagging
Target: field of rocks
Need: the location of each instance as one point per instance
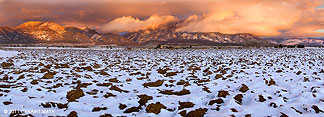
(202, 82)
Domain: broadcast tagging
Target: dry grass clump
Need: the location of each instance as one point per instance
(178, 93)
(6, 65)
(155, 108)
(157, 83)
(74, 94)
(183, 105)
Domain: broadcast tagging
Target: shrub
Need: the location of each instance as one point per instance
(300, 46)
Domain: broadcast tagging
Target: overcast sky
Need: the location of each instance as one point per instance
(262, 17)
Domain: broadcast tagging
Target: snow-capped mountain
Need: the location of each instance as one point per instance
(99, 38)
(10, 36)
(167, 33)
(297, 41)
(53, 33)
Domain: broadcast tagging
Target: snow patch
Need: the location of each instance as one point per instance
(4, 53)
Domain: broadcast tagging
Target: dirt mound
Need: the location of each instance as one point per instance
(155, 108)
(144, 99)
(179, 93)
(183, 105)
(244, 88)
(153, 84)
(74, 94)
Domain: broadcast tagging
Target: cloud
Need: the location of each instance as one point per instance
(90, 13)
(128, 23)
(261, 17)
(308, 26)
(264, 18)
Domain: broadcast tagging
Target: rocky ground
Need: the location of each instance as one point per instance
(227, 82)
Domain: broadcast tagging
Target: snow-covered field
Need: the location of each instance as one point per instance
(239, 82)
(8, 53)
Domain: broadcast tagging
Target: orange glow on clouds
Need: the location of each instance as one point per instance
(129, 23)
(260, 17)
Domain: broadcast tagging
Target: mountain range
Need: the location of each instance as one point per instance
(36, 32)
(168, 34)
(308, 41)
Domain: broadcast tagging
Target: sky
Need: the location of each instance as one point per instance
(298, 18)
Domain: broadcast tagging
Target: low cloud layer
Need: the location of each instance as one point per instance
(261, 17)
(128, 23)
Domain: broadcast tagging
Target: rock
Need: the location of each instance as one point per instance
(155, 108)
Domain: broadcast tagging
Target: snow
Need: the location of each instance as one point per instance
(8, 53)
(132, 68)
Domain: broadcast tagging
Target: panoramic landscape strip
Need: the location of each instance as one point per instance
(168, 58)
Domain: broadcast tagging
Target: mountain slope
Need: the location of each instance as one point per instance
(49, 32)
(10, 36)
(297, 41)
(167, 33)
(99, 38)
(52, 33)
